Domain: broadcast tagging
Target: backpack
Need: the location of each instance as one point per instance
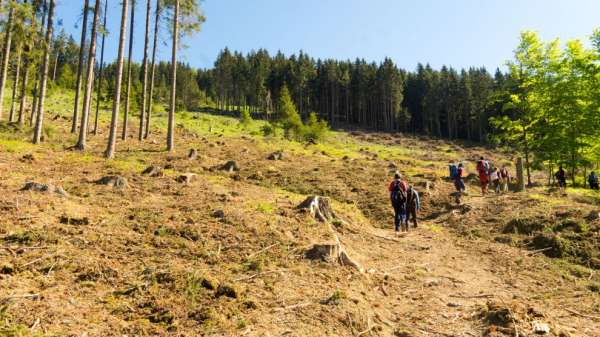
(453, 171)
(398, 195)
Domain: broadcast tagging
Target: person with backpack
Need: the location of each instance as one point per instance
(504, 178)
(593, 180)
(459, 184)
(398, 189)
(561, 177)
(483, 169)
(495, 179)
(413, 206)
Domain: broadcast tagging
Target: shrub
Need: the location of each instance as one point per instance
(315, 129)
(245, 118)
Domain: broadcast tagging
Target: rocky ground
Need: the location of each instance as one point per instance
(188, 243)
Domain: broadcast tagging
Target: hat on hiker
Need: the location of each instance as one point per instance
(397, 175)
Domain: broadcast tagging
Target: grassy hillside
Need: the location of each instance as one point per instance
(225, 253)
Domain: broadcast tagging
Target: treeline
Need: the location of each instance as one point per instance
(38, 59)
(442, 103)
(553, 109)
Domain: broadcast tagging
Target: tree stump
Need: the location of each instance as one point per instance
(44, 188)
(186, 178)
(153, 171)
(520, 175)
(230, 166)
(278, 155)
(113, 181)
(193, 154)
(319, 208)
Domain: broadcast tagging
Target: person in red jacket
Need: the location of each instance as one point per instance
(483, 168)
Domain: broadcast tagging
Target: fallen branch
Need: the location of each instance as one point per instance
(537, 251)
(471, 296)
(38, 260)
(369, 328)
(294, 306)
(386, 238)
(262, 250)
(582, 315)
(246, 278)
(13, 297)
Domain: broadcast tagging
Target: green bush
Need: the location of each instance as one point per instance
(315, 129)
(245, 118)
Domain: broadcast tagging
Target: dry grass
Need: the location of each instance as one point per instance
(224, 255)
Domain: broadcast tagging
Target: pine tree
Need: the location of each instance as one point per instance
(37, 135)
(80, 65)
(112, 138)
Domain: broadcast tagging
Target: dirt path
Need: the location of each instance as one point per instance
(432, 275)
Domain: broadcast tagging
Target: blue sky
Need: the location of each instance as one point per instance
(460, 33)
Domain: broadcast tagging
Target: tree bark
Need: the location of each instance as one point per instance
(87, 97)
(145, 72)
(15, 87)
(128, 88)
(37, 135)
(171, 124)
(153, 71)
(101, 72)
(80, 66)
(5, 57)
(21, 118)
(112, 137)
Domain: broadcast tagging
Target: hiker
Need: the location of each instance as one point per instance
(398, 189)
(561, 177)
(413, 206)
(459, 184)
(504, 178)
(483, 168)
(593, 180)
(495, 179)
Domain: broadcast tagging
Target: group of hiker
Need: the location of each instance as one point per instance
(561, 179)
(405, 201)
(489, 176)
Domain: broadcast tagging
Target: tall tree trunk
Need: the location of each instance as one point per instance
(171, 124)
(15, 87)
(80, 65)
(153, 71)
(21, 118)
(145, 72)
(112, 137)
(55, 66)
(5, 57)
(128, 88)
(101, 72)
(87, 97)
(37, 135)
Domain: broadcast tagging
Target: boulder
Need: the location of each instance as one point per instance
(44, 188)
(113, 181)
(230, 166)
(153, 171)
